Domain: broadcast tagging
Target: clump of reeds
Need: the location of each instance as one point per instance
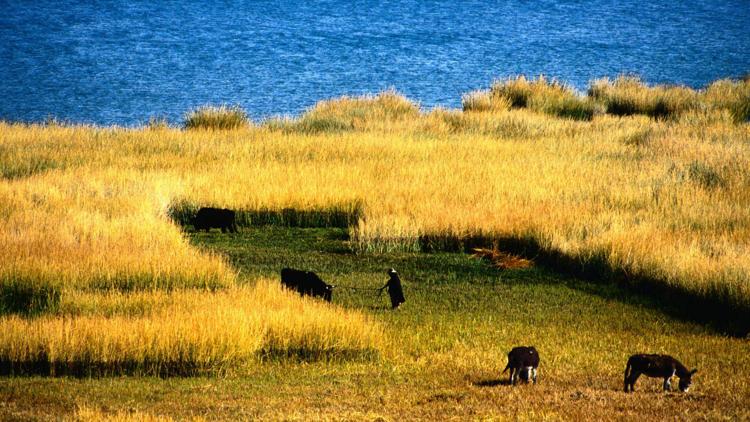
(629, 95)
(216, 117)
(480, 101)
(544, 95)
(730, 95)
(280, 123)
(502, 260)
(519, 90)
(356, 113)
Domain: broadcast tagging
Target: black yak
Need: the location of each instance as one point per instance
(522, 361)
(306, 283)
(657, 366)
(208, 218)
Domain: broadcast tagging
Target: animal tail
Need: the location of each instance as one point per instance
(506, 368)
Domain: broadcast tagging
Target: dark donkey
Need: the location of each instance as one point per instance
(208, 218)
(657, 366)
(522, 362)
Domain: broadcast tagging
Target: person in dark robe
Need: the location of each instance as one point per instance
(394, 289)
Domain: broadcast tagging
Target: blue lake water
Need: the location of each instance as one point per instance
(113, 62)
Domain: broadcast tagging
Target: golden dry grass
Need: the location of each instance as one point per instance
(104, 230)
(543, 95)
(185, 332)
(663, 200)
(628, 95)
(89, 414)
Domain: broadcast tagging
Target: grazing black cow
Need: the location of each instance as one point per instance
(208, 218)
(657, 366)
(522, 362)
(306, 283)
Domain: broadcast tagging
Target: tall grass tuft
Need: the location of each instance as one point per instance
(545, 96)
(480, 101)
(157, 123)
(730, 95)
(628, 95)
(356, 113)
(704, 175)
(216, 117)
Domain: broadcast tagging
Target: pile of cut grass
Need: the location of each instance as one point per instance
(502, 260)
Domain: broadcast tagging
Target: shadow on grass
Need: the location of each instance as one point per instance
(87, 368)
(341, 215)
(718, 310)
(493, 382)
(97, 369)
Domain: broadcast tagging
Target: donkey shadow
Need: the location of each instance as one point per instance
(493, 382)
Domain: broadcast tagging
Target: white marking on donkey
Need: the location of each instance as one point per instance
(523, 362)
(657, 366)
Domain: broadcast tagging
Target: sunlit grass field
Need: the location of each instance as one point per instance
(644, 191)
(444, 349)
